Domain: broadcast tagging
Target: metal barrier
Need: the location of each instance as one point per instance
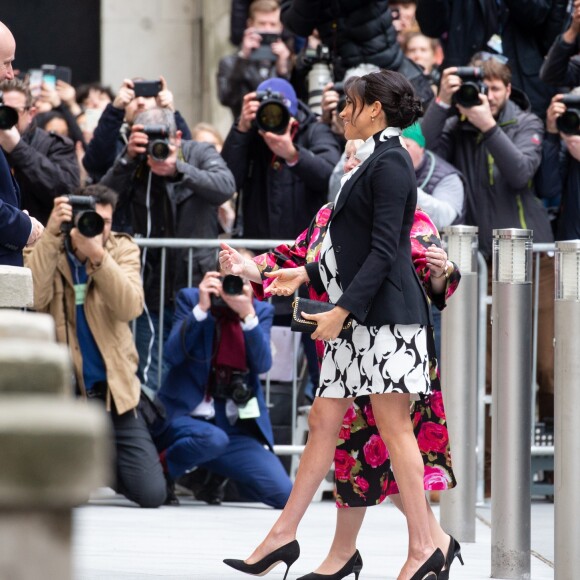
(483, 301)
(194, 244)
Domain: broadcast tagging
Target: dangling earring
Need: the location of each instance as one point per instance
(372, 119)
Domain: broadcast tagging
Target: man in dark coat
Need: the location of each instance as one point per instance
(17, 228)
(44, 164)
(522, 30)
(356, 32)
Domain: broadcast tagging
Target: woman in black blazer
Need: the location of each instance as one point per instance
(366, 268)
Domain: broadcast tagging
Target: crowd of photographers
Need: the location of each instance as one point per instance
(498, 147)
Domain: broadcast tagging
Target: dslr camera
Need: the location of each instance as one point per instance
(85, 218)
(272, 114)
(569, 121)
(8, 115)
(232, 384)
(471, 87)
(158, 145)
(232, 286)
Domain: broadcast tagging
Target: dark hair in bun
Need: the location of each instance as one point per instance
(395, 93)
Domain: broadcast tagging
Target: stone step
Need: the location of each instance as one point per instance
(28, 325)
(15, 287)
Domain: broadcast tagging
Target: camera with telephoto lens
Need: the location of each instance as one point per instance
(158, 144)
(272, 114)
(231, 384)
(569, 121)
(319, 60)
(85, 218)
(471, 87)
(232, 286)
(8, 115)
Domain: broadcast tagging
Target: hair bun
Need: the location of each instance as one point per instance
(411, 108)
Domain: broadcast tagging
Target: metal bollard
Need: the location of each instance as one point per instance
(566, 401)
(511, 400)
(459, 380)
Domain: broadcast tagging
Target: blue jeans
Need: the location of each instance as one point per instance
(147, 343)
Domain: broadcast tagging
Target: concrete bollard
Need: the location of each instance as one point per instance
(53, 452)
(15, 287)
(29, 325)
(33, 366)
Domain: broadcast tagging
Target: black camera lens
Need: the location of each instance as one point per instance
(272, 116)
(468, 95)
(239, 391)
(89, 223)
(232, 285)
(569, 122)
(8, 117)
(159, 150)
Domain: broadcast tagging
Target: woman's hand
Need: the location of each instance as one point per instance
(328, 324)
(437, 263)
(231, 261)
(286, 281)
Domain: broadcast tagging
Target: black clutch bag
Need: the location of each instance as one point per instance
(299, 324)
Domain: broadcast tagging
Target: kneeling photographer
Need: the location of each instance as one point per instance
(281, 158)
(217, 417)
(87, 277)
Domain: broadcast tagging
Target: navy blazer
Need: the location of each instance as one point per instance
(370, 231)
(189, 353)
(15, 226)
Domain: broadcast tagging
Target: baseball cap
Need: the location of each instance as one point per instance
(282, 86)
(415, 133)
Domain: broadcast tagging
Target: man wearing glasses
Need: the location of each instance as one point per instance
(44, 164)
(17, 228)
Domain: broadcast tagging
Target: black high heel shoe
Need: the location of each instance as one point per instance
(430, 569)
(288, 553)
(453, 552)
(353, 566)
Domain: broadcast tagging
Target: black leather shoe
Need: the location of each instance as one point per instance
(288, 554)
(431, 569)
(453, 552)
(353, 566)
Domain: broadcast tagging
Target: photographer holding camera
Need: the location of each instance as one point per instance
(559, 175)
(496, 143)
(90, 283)
(281, 158)
(169, 188)
(17, 228)
(216, 413)
(262, 54)
(44, 163)
(114, 128)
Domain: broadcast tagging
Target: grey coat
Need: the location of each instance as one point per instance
(499, 168)
(181, 207)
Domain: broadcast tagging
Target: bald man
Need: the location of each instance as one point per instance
(17, 228)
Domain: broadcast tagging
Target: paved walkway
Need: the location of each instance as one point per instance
(115, 541)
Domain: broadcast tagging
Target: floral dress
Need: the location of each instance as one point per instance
(363, 474)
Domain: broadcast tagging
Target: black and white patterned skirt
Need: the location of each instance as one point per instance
(376, 359)
(385, 359)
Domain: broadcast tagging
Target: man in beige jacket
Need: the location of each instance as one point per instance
(91, 285)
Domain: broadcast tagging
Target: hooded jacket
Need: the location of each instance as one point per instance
(498, 166)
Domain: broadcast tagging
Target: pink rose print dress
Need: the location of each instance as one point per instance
(363, 474)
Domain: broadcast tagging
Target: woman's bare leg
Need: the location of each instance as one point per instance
(324, 422)
(440, 538)
(348, 523)
(391, 413)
